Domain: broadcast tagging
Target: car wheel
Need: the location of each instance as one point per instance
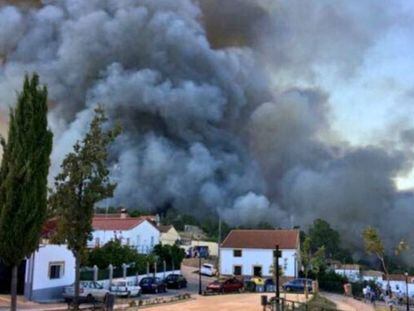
(288, 289)
(90, 298)
(128, 294)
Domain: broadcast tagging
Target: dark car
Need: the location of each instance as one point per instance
(175, 281)
(226, 286)
(297, 285)
(152, 285)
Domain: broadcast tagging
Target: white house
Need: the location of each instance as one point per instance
(48, 270)
(398, 284)
(352, 272)
(372, 276)
(251, 252)
(138, 232)
(169, 236)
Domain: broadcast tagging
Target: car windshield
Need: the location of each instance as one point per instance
(206, 266)
(146, 281)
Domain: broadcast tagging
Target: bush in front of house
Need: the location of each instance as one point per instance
(170, 254)
(116, 254)
(331, 282)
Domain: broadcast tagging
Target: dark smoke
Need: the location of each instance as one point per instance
(219, 105)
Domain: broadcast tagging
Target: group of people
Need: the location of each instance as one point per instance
(391, 299)
(369, 294)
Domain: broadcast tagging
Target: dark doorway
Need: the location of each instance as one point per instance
(5, 278)
(257, 270)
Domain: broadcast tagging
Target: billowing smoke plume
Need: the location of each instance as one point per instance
(218, 103)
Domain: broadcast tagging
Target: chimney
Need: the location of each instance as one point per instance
(124, 213)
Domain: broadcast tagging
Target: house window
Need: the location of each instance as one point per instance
(237, 270)
(97, 242)
(127, 241)
(152, 241)
(56, 270)
(285, 264)
(257, 271)
(237, 253)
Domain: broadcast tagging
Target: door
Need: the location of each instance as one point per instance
(257, 271)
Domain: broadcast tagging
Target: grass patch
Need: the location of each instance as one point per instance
(318, 303)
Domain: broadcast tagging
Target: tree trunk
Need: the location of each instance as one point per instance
(13, 306)
(77, 280)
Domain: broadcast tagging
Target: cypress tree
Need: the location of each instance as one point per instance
(23, 177)
(83, 181)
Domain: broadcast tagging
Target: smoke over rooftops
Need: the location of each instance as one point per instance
(208, 127)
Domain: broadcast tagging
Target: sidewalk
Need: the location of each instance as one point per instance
(347, 303)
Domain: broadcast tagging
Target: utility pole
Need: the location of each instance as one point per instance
(218, 244)
(199, 271)
(406, 292)
(276, 271)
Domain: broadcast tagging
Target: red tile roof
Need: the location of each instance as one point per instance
(264, 239)
(398, 277)
(113, 223)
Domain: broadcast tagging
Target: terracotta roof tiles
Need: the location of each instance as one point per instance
(263, 239)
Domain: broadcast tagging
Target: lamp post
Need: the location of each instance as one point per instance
(199, 271)
(406, 292)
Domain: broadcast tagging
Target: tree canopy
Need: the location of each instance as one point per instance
(23, 176)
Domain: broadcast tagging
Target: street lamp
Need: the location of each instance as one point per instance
(406, 291)
(199, 269)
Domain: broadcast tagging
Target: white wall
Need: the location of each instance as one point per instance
(139, 237)
(38, 284)
(257, 257)
(351, 274)
(43, 257)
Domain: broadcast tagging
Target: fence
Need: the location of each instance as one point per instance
(282, 304)
(130, 272)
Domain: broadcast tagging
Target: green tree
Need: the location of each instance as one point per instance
(23, 177)
(312, 261)
(83, 181)
(374, 246)
(322, 234)
(170, 253)
(113, 253)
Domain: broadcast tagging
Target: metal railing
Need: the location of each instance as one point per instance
(282, 304)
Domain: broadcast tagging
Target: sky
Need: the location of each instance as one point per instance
(379, 96)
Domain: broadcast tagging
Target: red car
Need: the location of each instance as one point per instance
(225, 286)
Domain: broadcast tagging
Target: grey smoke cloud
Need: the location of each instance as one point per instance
(208, 127)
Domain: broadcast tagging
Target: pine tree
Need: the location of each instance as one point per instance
(23, 177)
(83, 181)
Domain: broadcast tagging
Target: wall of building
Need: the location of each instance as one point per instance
(257, 257)
(212, 246)
(169, 237)
(352, 275)
(143, 237)
(39, 286)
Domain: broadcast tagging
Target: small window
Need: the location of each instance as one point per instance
(237, 270)
(56, 270)
(127, 241)
(237, 253)
(97, 242)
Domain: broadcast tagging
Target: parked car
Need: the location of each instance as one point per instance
(208, 269)
(225, 286)
(125, 288)
(175, 281)
(152, 285)
(89, 291)
(298, 285)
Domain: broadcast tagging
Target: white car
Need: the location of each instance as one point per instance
(89, 291)
(208, 269)
(125, 288)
